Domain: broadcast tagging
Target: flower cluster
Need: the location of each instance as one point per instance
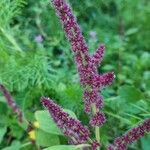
(90, 79)
(131, 136)
(71, 127)
(92, 83)
(95, 145)
(86, 64)
(11, 102)
(98, 119)
(98, 56)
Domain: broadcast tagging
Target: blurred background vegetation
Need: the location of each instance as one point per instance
(36, 60)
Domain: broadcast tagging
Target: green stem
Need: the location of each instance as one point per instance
(97, 133)
(97, 130)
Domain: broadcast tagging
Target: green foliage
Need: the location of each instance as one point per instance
(2, 133)
(145, 142)
(130, 94)
(14, 146)
(61, 147)
(46, 123)
(9, 11)
(45, 139)
(67, 147)
(31, 69)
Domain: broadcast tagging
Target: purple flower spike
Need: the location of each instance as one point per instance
(11, 102)
(146, 125)
(71, 127)
(95, 145)
(132, 135)
(98, 119)
(98, 56)
(103, 80)
(92, 97)
(70, 26)
(86, 64)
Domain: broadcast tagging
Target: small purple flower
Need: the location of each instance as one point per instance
(39, 38)
(71, 127)
(98, 119)
(93, 35)
(11, 102)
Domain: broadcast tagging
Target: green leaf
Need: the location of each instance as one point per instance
(2, 133)
(68, 147)
(16, 145)
(46, 123)
(2, 99)
(130, 93)
(131, 31)
(16, 131)
(145, 142)
(71, 113)
(62, 147)
(45, 139)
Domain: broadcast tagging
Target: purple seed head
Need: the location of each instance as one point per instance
(98, 119)
(95, 144)
(71, 127)
(90, 98)
(98, 56)
(11, 102)
(90, 79)
(132, 135)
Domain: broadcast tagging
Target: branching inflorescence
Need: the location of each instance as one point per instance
(92, 83)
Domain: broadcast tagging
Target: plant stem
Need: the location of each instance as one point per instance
(97, 131)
